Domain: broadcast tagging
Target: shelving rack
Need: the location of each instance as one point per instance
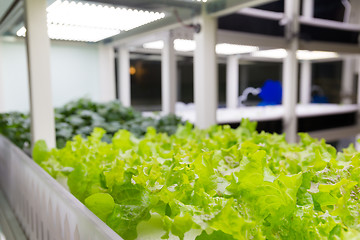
(205, 83)
(205, 58)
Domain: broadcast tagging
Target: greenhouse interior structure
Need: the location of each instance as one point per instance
(179, 119)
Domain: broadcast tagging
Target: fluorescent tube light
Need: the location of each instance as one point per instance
(74, 33)
(231, 49)
(70, 20)
(99, 16)
(184, 45)
(315, 55)
(301, 54)
(79, 33)
(180, 45)
(272, 53)
(154, 45)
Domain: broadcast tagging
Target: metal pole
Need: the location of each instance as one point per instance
(124, 76)
(305, 82)
(232, 81)
(38, 59)
(205, 72)
(168, 75)
(290, 70)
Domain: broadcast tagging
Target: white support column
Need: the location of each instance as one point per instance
(290, 70)
(168, 75)
(124, 83)
(357, 63)
(232, 81)
(347, 76)
(308, 8)
(355, 13)
(2, 98)
(38, 59)
(305, 82)
(205, 72)
(107, 73)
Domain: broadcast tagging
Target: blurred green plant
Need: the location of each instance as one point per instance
(81, 117)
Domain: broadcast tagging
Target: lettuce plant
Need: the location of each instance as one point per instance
(218, 183)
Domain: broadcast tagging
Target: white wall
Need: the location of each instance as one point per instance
(13, 76)
(74, 73)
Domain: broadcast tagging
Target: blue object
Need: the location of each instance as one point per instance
(271, 93)
(319, 99)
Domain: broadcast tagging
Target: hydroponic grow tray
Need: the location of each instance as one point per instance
(45, 209)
